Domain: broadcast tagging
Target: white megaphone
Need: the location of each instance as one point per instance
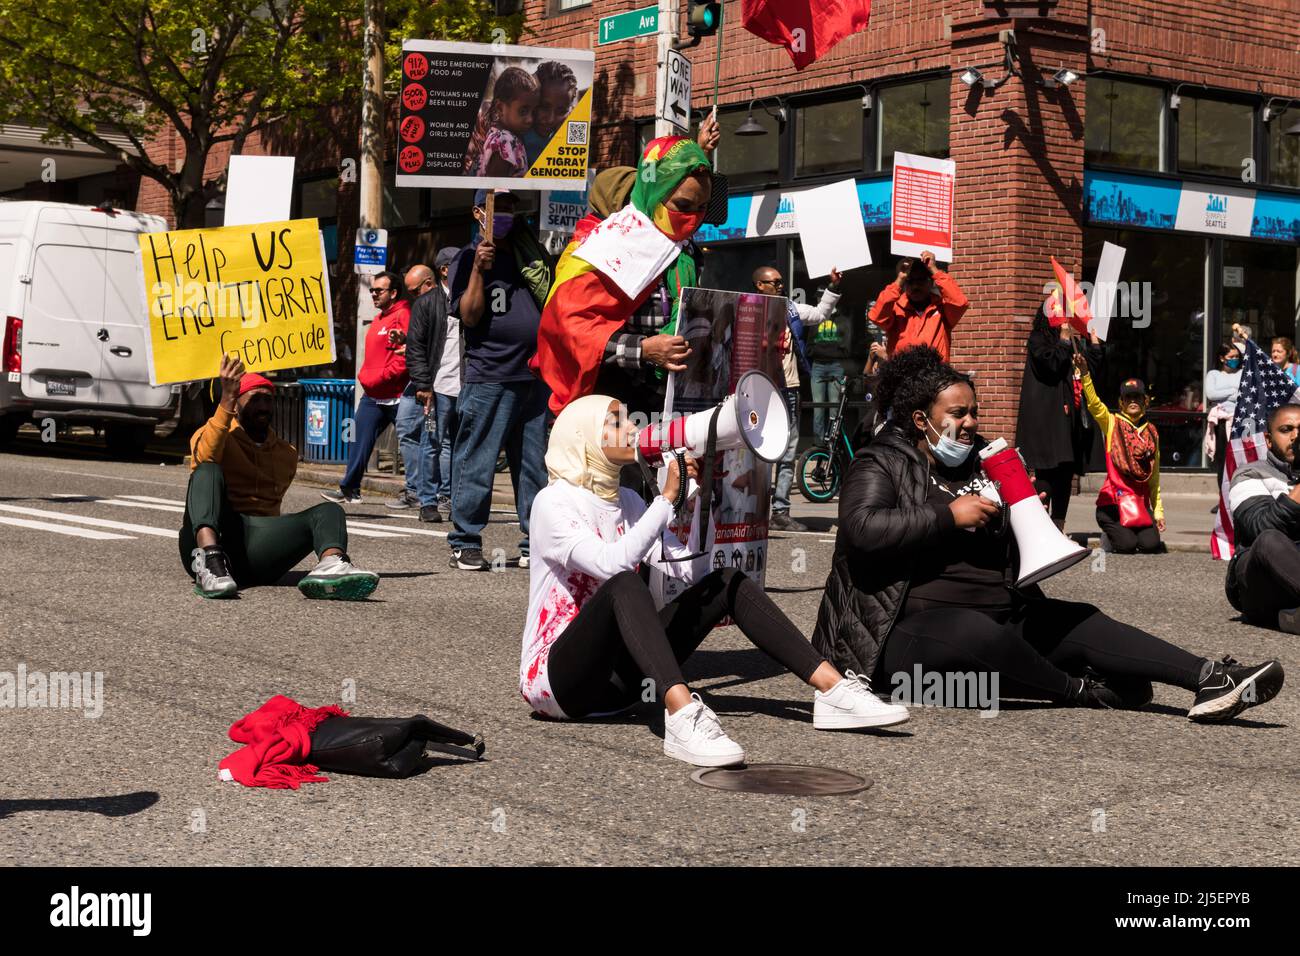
(754, 417)
(1044, 550)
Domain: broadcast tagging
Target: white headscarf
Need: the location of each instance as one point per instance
(574, 452)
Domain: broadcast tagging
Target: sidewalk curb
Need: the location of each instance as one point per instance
(389, 485)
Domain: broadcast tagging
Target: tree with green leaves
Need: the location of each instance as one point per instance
(209, 73)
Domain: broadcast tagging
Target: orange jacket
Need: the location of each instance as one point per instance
(257, 476)
(905, 325)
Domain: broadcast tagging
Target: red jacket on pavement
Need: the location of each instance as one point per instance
(906, 325)
(383, 374)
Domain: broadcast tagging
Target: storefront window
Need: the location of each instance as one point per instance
(1259, 289)
(1214, 136)
(749, 160)
(828, 138)
(1157, 333)
(912, 118)
(319, 199)
(731, 265)
(1284, 150)
(1125, 125)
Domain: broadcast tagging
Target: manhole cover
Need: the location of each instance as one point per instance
(784, 778)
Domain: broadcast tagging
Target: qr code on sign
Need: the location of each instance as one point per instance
(577, 134)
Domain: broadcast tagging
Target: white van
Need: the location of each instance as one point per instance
(75, 321)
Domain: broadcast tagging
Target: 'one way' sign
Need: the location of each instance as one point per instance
(675, 91)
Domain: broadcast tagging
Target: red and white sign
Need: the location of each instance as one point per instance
(922, 209)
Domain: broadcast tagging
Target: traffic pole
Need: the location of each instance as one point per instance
(372, 159)
(667, 40)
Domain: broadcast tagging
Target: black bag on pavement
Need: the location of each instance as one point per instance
(386, 746)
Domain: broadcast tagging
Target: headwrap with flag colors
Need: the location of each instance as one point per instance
(586, 305)
(1264, 387)
(806, 28)
(1068, 303)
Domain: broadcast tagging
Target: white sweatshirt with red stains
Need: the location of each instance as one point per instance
(578, 541)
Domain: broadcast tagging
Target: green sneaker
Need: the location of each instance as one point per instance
(336, 578)
(212, 574)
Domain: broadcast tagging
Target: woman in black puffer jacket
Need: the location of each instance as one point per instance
(923, 569)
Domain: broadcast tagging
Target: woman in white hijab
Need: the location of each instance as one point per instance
(594, 642)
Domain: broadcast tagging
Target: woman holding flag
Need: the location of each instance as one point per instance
(1052, 431)
(612, 266)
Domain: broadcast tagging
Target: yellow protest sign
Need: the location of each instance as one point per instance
(261, 292)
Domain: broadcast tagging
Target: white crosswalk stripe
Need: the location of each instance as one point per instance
(157, 501)
(92, 522)
(64, 529)
(360, 533)
(402, 532)
(361, 529)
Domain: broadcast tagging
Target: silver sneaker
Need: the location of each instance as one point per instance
(403, 502)
(212, 574)
(336, 578)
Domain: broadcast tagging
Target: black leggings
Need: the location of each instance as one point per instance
(1266, 577)
(618, 639)
(1127, 540)
(1058, 482)
(1035, 649)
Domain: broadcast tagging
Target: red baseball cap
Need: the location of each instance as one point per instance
(252, 380)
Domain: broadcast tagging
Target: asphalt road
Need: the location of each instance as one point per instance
(1035, 784)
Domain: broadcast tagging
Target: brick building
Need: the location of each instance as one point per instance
(1175, 104)
(1170, 139)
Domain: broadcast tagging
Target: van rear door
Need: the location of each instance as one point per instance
(125, 364)
(62, 353)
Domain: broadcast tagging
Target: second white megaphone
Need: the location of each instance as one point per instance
(754, 417)
(1044, 550)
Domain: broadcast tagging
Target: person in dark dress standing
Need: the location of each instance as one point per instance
(1053, 432)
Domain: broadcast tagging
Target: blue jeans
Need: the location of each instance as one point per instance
(416, 444)
(371, 419)
(493, 416)
(785, 467)
(448, 423)
(825, 388)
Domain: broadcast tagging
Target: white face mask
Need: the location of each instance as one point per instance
(949, 451)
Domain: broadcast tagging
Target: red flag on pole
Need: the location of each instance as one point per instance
(806, 28)
(1068, 303)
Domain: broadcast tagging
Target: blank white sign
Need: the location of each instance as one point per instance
(258, 189)
(830, 228)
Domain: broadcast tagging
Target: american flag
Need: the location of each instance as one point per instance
(1264, 387)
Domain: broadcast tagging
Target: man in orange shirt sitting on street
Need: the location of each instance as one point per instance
(233, 530)
(911, 312)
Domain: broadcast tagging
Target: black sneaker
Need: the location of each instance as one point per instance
(1227, 688)
(430, 514)
(1134, 693)
(403, 501)
(781, 521)
(469, 559)
(341, 497)
(1091, 692)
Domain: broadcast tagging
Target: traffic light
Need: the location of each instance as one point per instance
(703, 19)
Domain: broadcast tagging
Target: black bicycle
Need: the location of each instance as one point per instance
(820, 469)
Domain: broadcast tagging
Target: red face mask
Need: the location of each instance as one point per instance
(683, 224)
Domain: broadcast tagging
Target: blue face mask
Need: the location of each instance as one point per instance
(949, 451)
(1233, 364)
(501, 223)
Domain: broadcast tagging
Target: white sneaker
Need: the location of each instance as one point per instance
(212, 574)
(336, 578)
(694, 735)
(850, 703)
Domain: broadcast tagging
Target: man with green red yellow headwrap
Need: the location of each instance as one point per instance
(613, 265)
